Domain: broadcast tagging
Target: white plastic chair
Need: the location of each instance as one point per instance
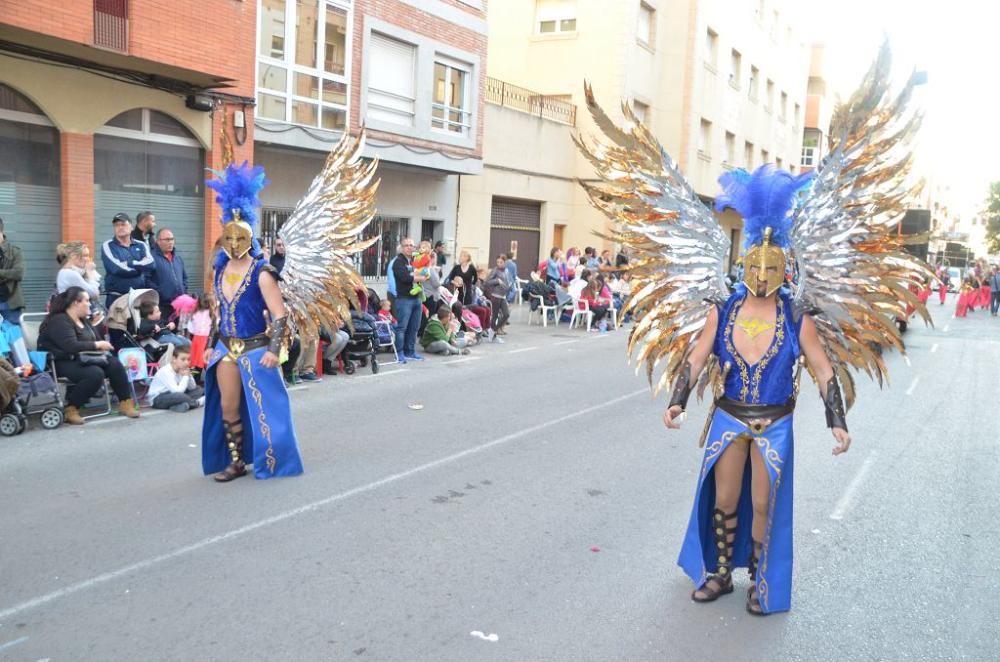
(544, 309)
(613, 314)
(581, 312)
(521, 282)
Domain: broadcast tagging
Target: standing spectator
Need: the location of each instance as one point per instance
(572, 260)
(621, 260)
(278, 257)
(442, 256)
(81, 356)
(511, 278)
(496, 289)
(554, 267)
(11, 275)
(467, 272)
(170, 278)
(173, 387)
(201, 326)
(995, 291)
(407, 304)
(145, 221)
(77, 269)
(128, 264)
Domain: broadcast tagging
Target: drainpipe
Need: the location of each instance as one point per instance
(458, 207)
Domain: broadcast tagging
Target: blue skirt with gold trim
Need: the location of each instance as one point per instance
(698, 556)
(268, 435)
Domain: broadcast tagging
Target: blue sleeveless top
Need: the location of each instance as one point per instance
(243, 316)
(770, 380)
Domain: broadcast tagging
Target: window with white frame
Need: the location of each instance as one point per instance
(451, 110)
(646, 30)
(730, 147)
(705, 138)
(711, 48)
(392, 80)
(735, 68)
(555, 16)
(808, 156)
(303, 72)
(641, 111)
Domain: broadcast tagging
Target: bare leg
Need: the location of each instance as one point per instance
(728, 470)
(227, 374)
(760, 491)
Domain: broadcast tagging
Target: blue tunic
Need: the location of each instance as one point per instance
(269, 442)
(770, 381)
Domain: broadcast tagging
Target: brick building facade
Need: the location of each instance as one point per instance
(118, 105)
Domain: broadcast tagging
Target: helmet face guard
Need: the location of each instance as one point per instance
(237, 239)
(764, 267)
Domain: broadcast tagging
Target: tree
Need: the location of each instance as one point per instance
(993, 219)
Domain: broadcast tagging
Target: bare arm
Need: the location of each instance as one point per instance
(812, 348)
(695, 364)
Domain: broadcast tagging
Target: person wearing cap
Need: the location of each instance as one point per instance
(128, 263)
(11, 275)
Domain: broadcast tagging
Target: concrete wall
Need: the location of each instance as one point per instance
(527, 158)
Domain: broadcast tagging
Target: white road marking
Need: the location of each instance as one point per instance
(523, 349)
(566, 342)
(297, 387)
(845, 501)
(492, 637)
(114, 417)
(913, 385)
(381, 373)
(934, 348)
(11, 644)
(301, 510)
(945, 329)
(464, 359)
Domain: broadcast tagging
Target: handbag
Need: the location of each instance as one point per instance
(93, 358)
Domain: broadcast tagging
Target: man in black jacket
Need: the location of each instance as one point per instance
(11, 275)
(407, 304)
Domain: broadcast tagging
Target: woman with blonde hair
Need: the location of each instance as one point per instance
(77, 269)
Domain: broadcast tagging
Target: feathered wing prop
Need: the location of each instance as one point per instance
(319, 281)
(854, 275)
(679, 246)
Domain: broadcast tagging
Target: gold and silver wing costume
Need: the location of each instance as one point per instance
(853, 275)
(679, 246)
(321, 237)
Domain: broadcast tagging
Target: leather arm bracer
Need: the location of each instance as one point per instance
(278, 334)
(836, 414)
(682, 388)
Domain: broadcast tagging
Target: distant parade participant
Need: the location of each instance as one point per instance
(945, 279)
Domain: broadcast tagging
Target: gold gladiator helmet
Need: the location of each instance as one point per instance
(764, 267)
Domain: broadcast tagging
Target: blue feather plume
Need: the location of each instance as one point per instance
(764, 199)
(238, 189)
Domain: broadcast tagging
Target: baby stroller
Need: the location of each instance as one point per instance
(362, 346)
(123, 324)
(28, 393)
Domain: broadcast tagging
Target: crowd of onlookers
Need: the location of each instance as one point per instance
(429, 309)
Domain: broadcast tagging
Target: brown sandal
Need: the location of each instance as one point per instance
(753, 599)
(234, 440)
(720, 583)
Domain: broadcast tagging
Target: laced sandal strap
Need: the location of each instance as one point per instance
(713, 588)
(231, 472)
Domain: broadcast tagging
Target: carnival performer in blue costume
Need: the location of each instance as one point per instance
(247, 415)
(824, 274)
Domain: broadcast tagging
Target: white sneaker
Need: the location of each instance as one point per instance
(498, 340)
(490, 335)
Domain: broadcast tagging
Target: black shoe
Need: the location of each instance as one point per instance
(310, 377)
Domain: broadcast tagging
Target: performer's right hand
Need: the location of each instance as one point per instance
(670, 416)
(208, 355)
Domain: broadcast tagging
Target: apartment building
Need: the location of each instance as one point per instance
(411, 72)
(721, 84)
(819, 111)
(118, 106)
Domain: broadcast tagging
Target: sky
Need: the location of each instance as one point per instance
(957, 43)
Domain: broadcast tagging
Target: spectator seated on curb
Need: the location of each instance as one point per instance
(438, 337)
(173, 387)
(149, 327)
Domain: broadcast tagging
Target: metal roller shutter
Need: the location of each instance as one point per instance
(33, 219)
(516, 221)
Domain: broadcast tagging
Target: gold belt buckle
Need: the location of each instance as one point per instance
(236, 347)
(758, 425)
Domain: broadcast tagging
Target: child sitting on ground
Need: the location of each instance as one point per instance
(438, 337)
(149, 327)
(385, 312)
(173, 387)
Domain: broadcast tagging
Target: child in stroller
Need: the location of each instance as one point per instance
(124, 320)
(24, 392)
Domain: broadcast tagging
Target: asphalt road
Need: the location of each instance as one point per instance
(535, 499)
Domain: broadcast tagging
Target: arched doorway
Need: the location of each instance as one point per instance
(30, 202)
(147, 160)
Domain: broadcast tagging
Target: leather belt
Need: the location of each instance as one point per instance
(240, 346)
(756, 417)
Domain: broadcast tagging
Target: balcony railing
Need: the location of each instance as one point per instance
(533, 103)
(111, 24)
